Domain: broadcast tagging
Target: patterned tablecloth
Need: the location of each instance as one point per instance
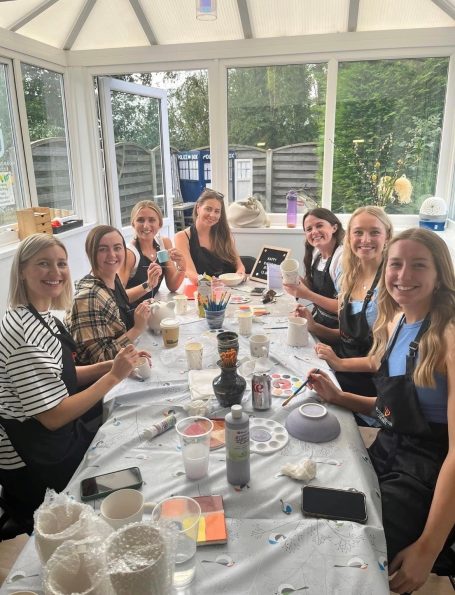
(268, 551)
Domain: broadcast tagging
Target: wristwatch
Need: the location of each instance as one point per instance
(146, 286)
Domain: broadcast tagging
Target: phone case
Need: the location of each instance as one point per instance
(336, 515)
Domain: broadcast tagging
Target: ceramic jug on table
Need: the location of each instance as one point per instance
(158, 311)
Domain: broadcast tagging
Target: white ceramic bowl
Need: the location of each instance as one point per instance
(231, 279)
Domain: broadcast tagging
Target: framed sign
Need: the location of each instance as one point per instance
(270, 254)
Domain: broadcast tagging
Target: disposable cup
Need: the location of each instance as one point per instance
(170, 328)
(185, 513)
(193, 351)
(194, 435)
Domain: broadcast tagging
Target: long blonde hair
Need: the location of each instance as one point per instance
(26, 250)
(350, 262)
(432, 345)
(220, 234)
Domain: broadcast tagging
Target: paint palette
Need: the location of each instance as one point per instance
(239, 299)
(283, 385)
(267, 436)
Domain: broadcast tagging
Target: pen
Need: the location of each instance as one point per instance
(301, 387)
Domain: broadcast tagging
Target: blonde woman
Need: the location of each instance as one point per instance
(368, 232)
(43, 436)
(208, 245)
(414, 453)
(142, 274)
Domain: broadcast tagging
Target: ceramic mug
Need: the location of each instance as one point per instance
(290, 271)
(143, 368)
(122, 507)
(297, 331)
(162, 256)
(259, 345)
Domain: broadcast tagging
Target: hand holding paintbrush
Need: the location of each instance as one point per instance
(301, 387)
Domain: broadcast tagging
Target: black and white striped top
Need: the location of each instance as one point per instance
(30, 373)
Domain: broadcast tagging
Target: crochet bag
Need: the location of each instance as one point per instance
(247, 213)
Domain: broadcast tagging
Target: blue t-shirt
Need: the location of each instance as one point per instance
(433, 401)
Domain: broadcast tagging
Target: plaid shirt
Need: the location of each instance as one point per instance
(94, 322)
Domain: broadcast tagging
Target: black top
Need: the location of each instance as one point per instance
(140, 276)
(204, 260)
(322, 283)
(122, 301)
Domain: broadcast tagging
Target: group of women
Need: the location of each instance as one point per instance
(382, 307)
(44, 433)
(386, 321)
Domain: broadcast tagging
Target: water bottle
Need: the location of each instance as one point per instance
(237, 432)
(291, 208)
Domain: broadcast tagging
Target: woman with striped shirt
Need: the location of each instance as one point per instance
(43, 436)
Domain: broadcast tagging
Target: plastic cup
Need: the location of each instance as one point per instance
(185, 513)
(193, 352)
(194, 435)
(215, 318)
(170, 328)
(181, 304)
(290, 271)
(218, 288)
(189, 289)
(245, 320)
(297, 331)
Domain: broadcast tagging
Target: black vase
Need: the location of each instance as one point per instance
(229, 386)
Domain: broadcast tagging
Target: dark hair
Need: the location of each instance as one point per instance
(328, 216)
(92, 243)
(220, 234)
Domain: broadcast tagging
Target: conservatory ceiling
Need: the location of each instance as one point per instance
(101, 24)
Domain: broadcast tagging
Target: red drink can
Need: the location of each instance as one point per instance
(261, 386)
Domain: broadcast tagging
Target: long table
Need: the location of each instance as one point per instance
(269, 551)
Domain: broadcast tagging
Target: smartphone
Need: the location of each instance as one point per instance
(257, 290)
(330, 503)
(102, 485)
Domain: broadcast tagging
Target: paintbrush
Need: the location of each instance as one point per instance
(301, 387)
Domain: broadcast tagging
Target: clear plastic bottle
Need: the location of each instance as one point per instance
(237, 429)
(291, 208)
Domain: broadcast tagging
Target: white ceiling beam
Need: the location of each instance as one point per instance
(81, 19)
(245, 19)
(32, 14)
(446, 6)
(144, 22)
(353, 15)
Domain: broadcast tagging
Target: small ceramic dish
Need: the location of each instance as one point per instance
(231, 279)
(311, 422)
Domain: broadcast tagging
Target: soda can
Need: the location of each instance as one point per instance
(261, 391)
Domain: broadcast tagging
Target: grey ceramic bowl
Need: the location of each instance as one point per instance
(311, 422)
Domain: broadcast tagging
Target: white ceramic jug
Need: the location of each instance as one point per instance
(158, 311)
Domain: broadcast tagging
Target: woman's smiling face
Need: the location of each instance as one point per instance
(110, 255)
(146, 224)
(367, 237)
(209, 212)
(319, 232)
(411, 276)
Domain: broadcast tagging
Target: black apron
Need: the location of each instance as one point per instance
(51, 457)
(407, 454)
(140, 276)
(121, 299)
(356, 341)
(204, 260)
(321, 283)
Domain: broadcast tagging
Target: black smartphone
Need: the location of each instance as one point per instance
(102, 485)
(257, 290)
(329, 503)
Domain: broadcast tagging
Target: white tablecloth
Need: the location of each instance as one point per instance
(270, 550)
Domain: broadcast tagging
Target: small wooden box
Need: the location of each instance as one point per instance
(34, 220)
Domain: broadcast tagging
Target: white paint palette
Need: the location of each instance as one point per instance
(267, 436)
